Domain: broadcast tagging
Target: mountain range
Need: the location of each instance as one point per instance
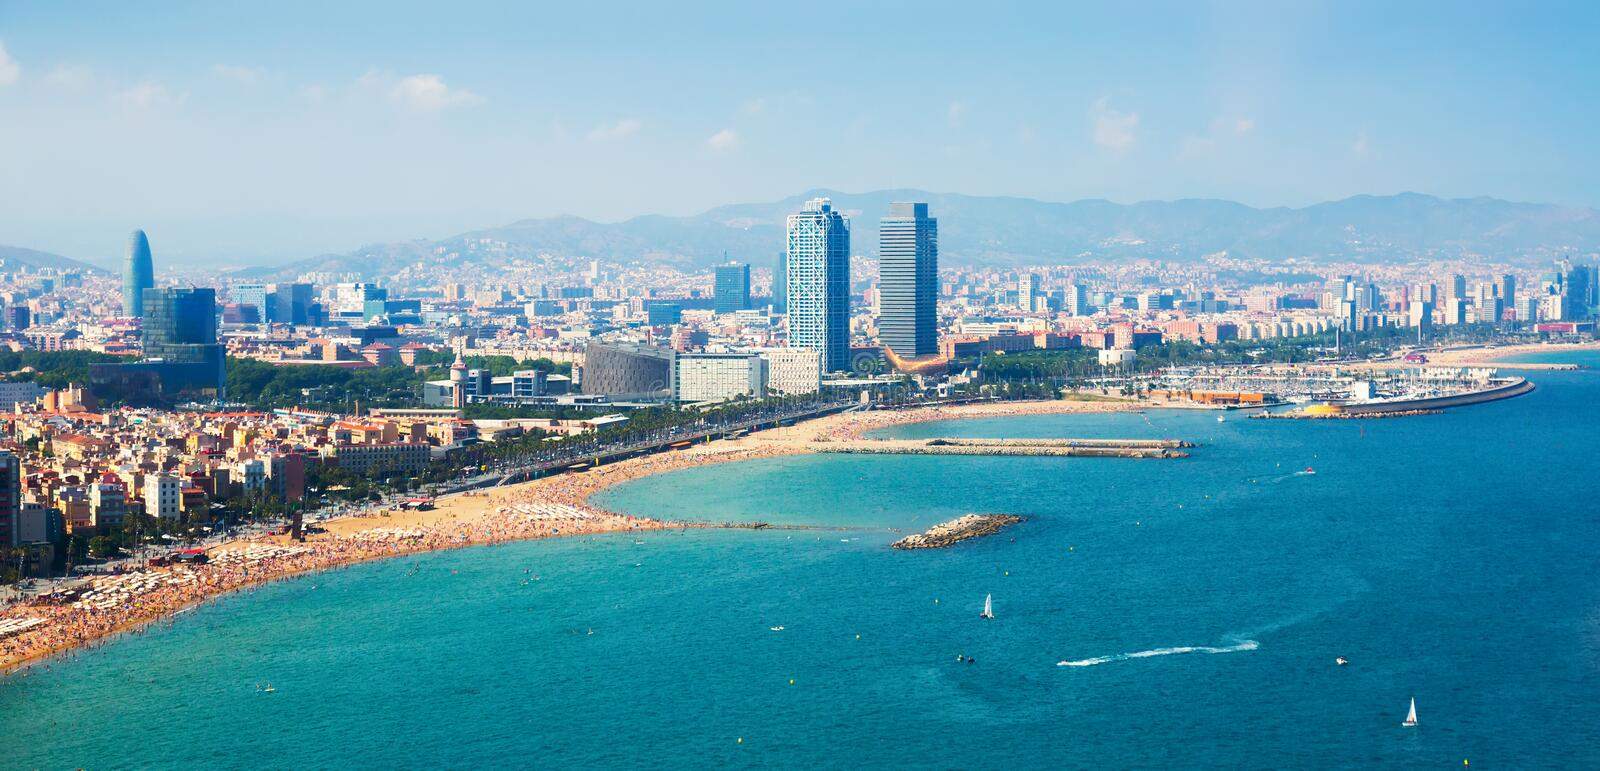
(1004, 231)
(16, 255)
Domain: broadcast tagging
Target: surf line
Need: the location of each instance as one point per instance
(1243, 645)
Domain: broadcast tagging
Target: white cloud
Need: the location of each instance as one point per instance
(10, 71)
(71, 77)
(1112, 129)
(955, 113)
(622, 129)
(146, 95)
(429, 93)
(244, 75)
(316, 92)
(1244, 126)
(755, 106)
(726, 139)
(1360, 147)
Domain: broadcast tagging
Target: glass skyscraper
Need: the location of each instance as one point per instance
(180, 339)
(733, 287)
(138, 274)
(908, 280)
(818, 283)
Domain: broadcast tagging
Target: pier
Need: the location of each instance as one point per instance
(1082, 448)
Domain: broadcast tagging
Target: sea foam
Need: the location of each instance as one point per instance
(1246, 645)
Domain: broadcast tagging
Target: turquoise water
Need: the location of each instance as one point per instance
(1453, 557)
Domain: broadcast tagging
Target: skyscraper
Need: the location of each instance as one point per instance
(908, 280)
(138, 275)
(180, 336)
(780, 284)
(10, 498)
(733, 287)
(819, 283)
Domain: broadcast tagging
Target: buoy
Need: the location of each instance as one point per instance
(936, 600)
(791, 681)
(1008, 572)
(741, 740)
(858, 637)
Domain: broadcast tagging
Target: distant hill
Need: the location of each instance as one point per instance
(14, 255)
(1014, 231)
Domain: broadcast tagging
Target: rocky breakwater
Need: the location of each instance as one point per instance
(957, 530)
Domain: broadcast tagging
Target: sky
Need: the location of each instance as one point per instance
(253, 133)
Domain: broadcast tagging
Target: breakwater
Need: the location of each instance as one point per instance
(957, 530)
(1089, 448)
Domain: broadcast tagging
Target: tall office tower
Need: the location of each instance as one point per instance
(1421, 315)
(251, 295)
(1508, 290)
(180, 338)
(780, 284)
(10, 498)
(1028, 292)
(138, 275)
(291, 303)
(733, 287)
(908, 280)
(1077, 300)
(1458, 287)
(1578, 285)
(819, 283)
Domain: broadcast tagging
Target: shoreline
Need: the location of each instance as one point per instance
(551, 507)
(1496, 356)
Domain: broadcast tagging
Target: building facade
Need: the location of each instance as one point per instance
(138, 274)
(908, 280)
(716, 377)
(793, 371)
(615, 369)
(818, 282)
(732, 287)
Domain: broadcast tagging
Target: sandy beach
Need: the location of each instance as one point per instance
(550, 507)
(1497, 356)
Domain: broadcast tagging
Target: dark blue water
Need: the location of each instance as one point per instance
(1453, 557)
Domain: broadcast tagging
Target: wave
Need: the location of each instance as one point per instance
(1244, 645)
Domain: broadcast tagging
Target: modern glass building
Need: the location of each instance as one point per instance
(780, 283)
(819, 283)
(291, 304)
(733, 287)
(180, 339)
(138, 274)
(908, 280)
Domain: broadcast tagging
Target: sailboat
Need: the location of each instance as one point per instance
(1411, 717)
(988, 606)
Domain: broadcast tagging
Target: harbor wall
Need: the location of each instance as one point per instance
(1517, 387)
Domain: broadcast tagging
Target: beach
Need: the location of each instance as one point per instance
(1498, 356)
(543, 508)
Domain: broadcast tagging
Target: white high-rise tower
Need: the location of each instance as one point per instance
(819, 283)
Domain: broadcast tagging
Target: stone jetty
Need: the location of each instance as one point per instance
(957, 530)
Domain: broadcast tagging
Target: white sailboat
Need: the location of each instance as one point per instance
(1411, 717)
(988, 607)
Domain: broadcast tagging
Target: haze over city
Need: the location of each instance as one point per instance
(259, 134)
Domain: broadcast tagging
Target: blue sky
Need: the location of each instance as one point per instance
(240, 133)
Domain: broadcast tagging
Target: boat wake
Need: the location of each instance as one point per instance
(1245, 645)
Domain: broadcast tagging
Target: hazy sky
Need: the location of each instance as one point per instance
(266, 131)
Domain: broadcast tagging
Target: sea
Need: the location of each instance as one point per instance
(1149, 613)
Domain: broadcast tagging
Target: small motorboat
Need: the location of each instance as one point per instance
(1341, 661)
